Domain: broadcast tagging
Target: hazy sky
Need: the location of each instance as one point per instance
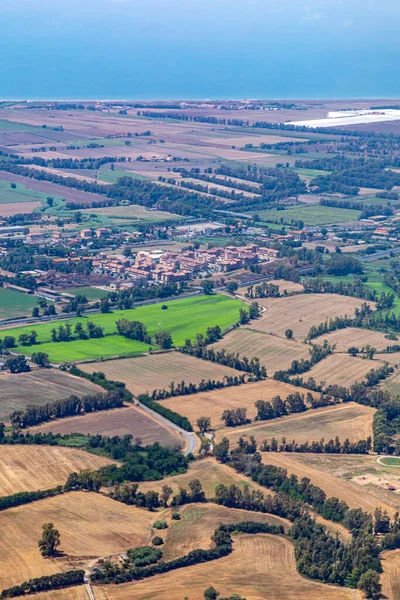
(199, 48)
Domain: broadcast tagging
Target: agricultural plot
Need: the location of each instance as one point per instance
(198, 523)
(73, 593)
(119, 421)
(15, 304)
(289, 286)
(392, 384)
(210, 473)
(302, 311)
(274, 352)
(212, 404)
(354, 336)
(133, 211)
(262, 567)
(312, 215)
(390, 578)
(157, 371)
(184, 318)
(349, 420)
(39, 387)
(31, 468)
(91, 293)
(90, 525)
(329, 473)
(342, 369)
(105, 347)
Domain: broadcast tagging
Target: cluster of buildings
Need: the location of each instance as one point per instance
(173, 267)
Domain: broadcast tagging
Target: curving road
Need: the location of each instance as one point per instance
(191, 438)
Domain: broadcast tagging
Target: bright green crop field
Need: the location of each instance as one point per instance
(184, 318)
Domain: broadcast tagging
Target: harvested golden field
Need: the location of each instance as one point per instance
(342, 369)
(302, 311)
(349, 420)
(274, 352)
(289, 286)
(320, 469)
(9, 209)
(73, 593)
(209, 472)
(212, 404)
(198, 523)
(90, 526)
(118, 421)
(261, 567)
(393, 358)
(146, 373)
(390, 578)
(354, 336)
(31, 468)
(39, 386)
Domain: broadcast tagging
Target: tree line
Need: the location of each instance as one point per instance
(182, 388)
(228, 359)
(68, 407)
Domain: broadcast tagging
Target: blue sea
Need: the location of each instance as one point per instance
(159, 49)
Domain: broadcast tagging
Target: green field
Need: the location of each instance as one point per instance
(11, 126)
(390, 461)
(19, 194)
(111, 345)
(311, 172)
(15, 304)
(112, 176)
(91, 293)
(184, 318)
(311, 215)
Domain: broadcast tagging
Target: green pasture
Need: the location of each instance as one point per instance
(111, 345)
(91, 293)
(184, 318)
(310, 215)
(390, 461)
(15, 304)
(20, 194)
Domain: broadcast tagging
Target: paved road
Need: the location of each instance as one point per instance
(191, 438)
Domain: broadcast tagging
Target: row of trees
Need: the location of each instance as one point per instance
(329, 447)
(63, 333)
(182, 388)
(68, 407)
(228, 359)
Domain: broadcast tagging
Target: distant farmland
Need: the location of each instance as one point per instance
(38, 387)
(119, 421)
(184, 318)
(146, 373)
(15, 304)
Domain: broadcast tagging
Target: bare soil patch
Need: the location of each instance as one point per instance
(349, 420)
(146, 373)
(212, 404)
(302, 311)
(39, 387)
(274, 352)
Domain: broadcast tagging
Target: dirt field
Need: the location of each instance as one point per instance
(10, 209)
(72, 593)
(119, 421)
(198, 523)
(30, 468)
(146, 373)
(274, 352)
(90, 526)
(390, 578)
(212, 404)
(353, 336)
(38, 387)
(262, 567)
(302, 311)
(342, 369)
(323, 470)
(349, 420)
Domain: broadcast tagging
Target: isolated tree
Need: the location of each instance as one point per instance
(165, 495)
(17, 364)
(211, 594)
(232, 287)
(50, 540)
(369, 351)
(205, 446)
(163, 339)
(369, 583)
(41, 359)
(353, 351)
(289, 333)
(208, 286)
(35, 311)
(204, 424)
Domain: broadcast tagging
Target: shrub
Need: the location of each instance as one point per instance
(160, 524)
(157, 541)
